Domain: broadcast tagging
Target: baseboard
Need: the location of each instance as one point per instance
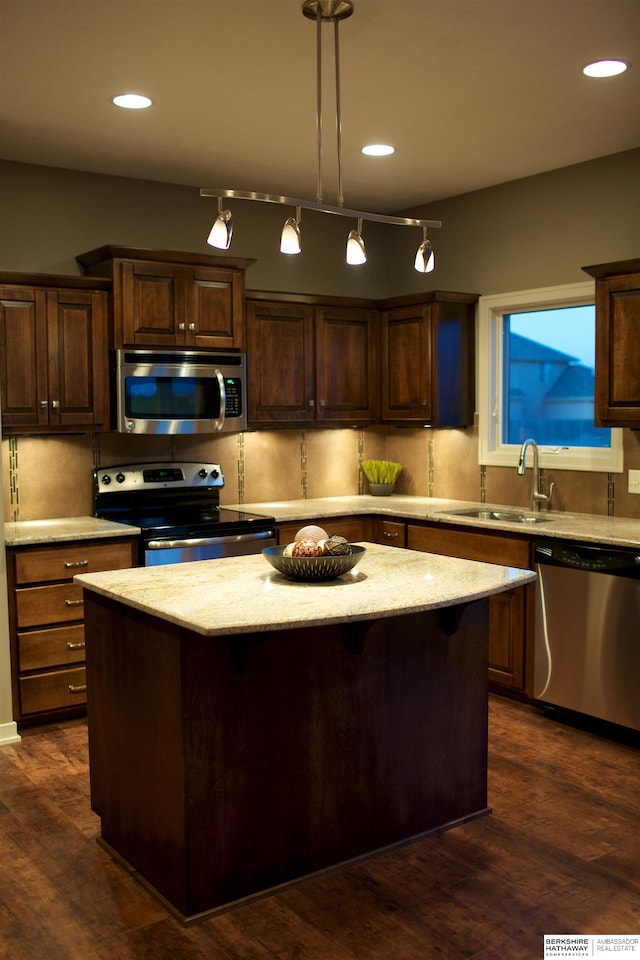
(9, 733)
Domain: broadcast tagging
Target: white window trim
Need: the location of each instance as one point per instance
(491, 451)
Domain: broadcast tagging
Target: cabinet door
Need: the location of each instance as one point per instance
(147, 298)
(346, 365)
(617, 386)
(280, 381)
(77, 353)
(406, 364)
(23, 357)
(214, 309)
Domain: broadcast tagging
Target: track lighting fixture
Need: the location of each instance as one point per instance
(425, 260)
(222, 229)
(356, 252)
(290, 240)
(322, 12)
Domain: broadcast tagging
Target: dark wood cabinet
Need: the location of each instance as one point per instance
(311, 361)
(46, 622)
(510, 614)
(169, 299)
(617, 374)
(53, 353)
(353, 529)
(428, 359)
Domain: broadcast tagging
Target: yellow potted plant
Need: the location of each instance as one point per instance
(381, 476)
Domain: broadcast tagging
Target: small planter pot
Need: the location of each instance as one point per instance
(381, 489)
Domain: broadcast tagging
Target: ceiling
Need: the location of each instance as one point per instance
(471, 92)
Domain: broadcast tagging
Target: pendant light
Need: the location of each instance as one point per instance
(425, 261)
(356, 252)
(222, 229)
(321, 12)
(290, 239)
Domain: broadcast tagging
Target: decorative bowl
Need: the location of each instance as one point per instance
(312, 568)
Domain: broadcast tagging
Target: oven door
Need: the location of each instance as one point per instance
(157, 552)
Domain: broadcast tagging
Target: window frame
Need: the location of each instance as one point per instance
(491, 450)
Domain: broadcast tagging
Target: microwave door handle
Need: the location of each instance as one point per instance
(223, 399)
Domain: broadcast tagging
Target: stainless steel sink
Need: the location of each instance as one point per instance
(499, 515)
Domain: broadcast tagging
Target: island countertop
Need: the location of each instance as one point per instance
(245, 594)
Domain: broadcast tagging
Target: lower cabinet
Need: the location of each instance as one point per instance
(511, 613)
(46, 623)
(353, 529)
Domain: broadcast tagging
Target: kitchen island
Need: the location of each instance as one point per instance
(246, 731)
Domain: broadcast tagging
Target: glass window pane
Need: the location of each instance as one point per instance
(548, 378)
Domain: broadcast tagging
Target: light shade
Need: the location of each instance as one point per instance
(425, 260)
(290, 240)
(356, 252)
(222, 229)
(605, 68)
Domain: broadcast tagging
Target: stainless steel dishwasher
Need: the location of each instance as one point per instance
(587, 638)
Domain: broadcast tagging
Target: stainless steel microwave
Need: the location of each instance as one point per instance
(180, 391)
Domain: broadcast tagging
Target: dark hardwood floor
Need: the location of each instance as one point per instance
(559, 854)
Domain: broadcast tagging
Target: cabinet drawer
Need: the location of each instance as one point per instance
(391, 532)
(485, 547)
(52, 690)
(58, 603)
(51, 648)
(62, 563)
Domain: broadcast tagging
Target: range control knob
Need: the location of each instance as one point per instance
(120, 477)
(215, 474)
(106, 479)
(202, 473)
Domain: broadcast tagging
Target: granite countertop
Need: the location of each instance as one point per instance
(245, 594)
(589, 528)
(23, 533)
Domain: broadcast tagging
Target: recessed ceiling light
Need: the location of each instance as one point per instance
(132, 101)
(605, 68)
(378, 150)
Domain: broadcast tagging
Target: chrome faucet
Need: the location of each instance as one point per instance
(537, 497)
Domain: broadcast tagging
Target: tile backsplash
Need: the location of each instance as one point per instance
(47, 477)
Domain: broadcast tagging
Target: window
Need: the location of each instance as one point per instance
(536, 356)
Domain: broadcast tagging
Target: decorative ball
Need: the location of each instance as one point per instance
(311, 531)
(306, 548)
(335, 546)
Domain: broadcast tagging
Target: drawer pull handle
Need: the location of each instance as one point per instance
(77, 563)
(73, 603)
(77, 688)
(75, 646)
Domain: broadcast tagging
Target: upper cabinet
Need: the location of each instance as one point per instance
(166, 299)
(53, 353)
(428, 359)
(311, 361)
(617, 375)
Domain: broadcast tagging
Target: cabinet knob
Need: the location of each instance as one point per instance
(77, 688)
(76, 563)
(55, 404)
(192, 326)
(75, 646)
(73, 603)
(312, 403)
(44, 403)
(322, 403)
(182, 326)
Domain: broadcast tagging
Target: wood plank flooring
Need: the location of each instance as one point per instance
(559, 854)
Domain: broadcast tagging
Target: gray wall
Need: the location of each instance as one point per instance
(527, 233)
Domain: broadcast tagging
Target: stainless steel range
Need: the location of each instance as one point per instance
(177, 507)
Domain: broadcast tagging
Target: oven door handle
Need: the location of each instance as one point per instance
(223, 399)
(207, 541)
